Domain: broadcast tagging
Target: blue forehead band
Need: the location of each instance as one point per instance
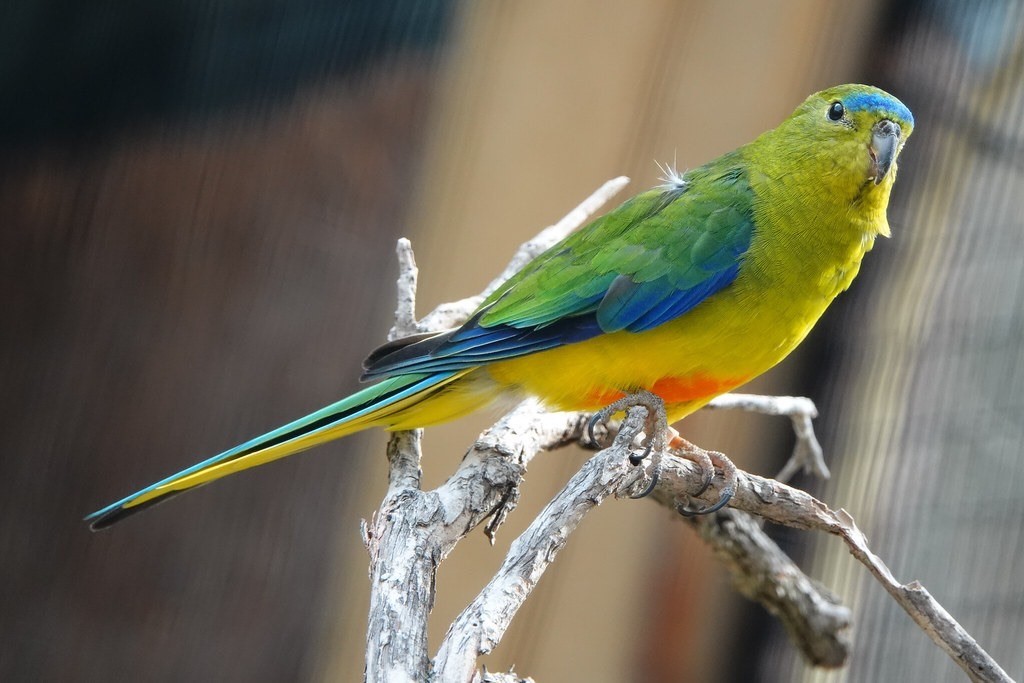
(877, 102)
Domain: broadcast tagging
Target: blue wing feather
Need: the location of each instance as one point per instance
(684, 300)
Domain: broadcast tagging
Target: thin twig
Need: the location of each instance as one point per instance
(455, 313)
(408, 274)
(553, 234)
(934, 620)
(807, 454)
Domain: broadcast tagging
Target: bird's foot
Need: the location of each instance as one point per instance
(708, 461)
(656, 431)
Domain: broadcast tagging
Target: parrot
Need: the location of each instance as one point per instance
(686, 291)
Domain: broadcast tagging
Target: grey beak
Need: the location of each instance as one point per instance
(885, 142)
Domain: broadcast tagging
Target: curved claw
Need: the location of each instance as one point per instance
(709, 476)
(728, 489)
(655, 476)
(707, 468)
(591, 424)
(687, 511)
(635, 459)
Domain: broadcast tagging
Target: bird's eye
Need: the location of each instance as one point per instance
(836, 111)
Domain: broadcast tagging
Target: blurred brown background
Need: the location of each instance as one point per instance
(198, 207)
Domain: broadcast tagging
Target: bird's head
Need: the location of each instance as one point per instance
(843, 142)
(860, 118)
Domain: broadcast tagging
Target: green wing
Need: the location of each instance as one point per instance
(647, 262)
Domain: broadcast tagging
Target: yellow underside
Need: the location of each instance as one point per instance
(708, 352)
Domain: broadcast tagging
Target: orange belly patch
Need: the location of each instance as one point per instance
(693, 388)
(674, 389)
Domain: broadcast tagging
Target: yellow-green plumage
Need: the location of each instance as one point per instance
(688, 290)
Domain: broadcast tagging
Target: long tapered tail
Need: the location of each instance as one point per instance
(388, 403)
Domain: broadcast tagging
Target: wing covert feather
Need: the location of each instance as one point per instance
(649, 261)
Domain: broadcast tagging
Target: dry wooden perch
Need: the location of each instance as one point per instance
(414, 530)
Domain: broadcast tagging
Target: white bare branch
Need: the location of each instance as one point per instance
(807, 454)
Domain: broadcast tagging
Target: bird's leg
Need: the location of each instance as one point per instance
(656, 431)
(708, 461)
